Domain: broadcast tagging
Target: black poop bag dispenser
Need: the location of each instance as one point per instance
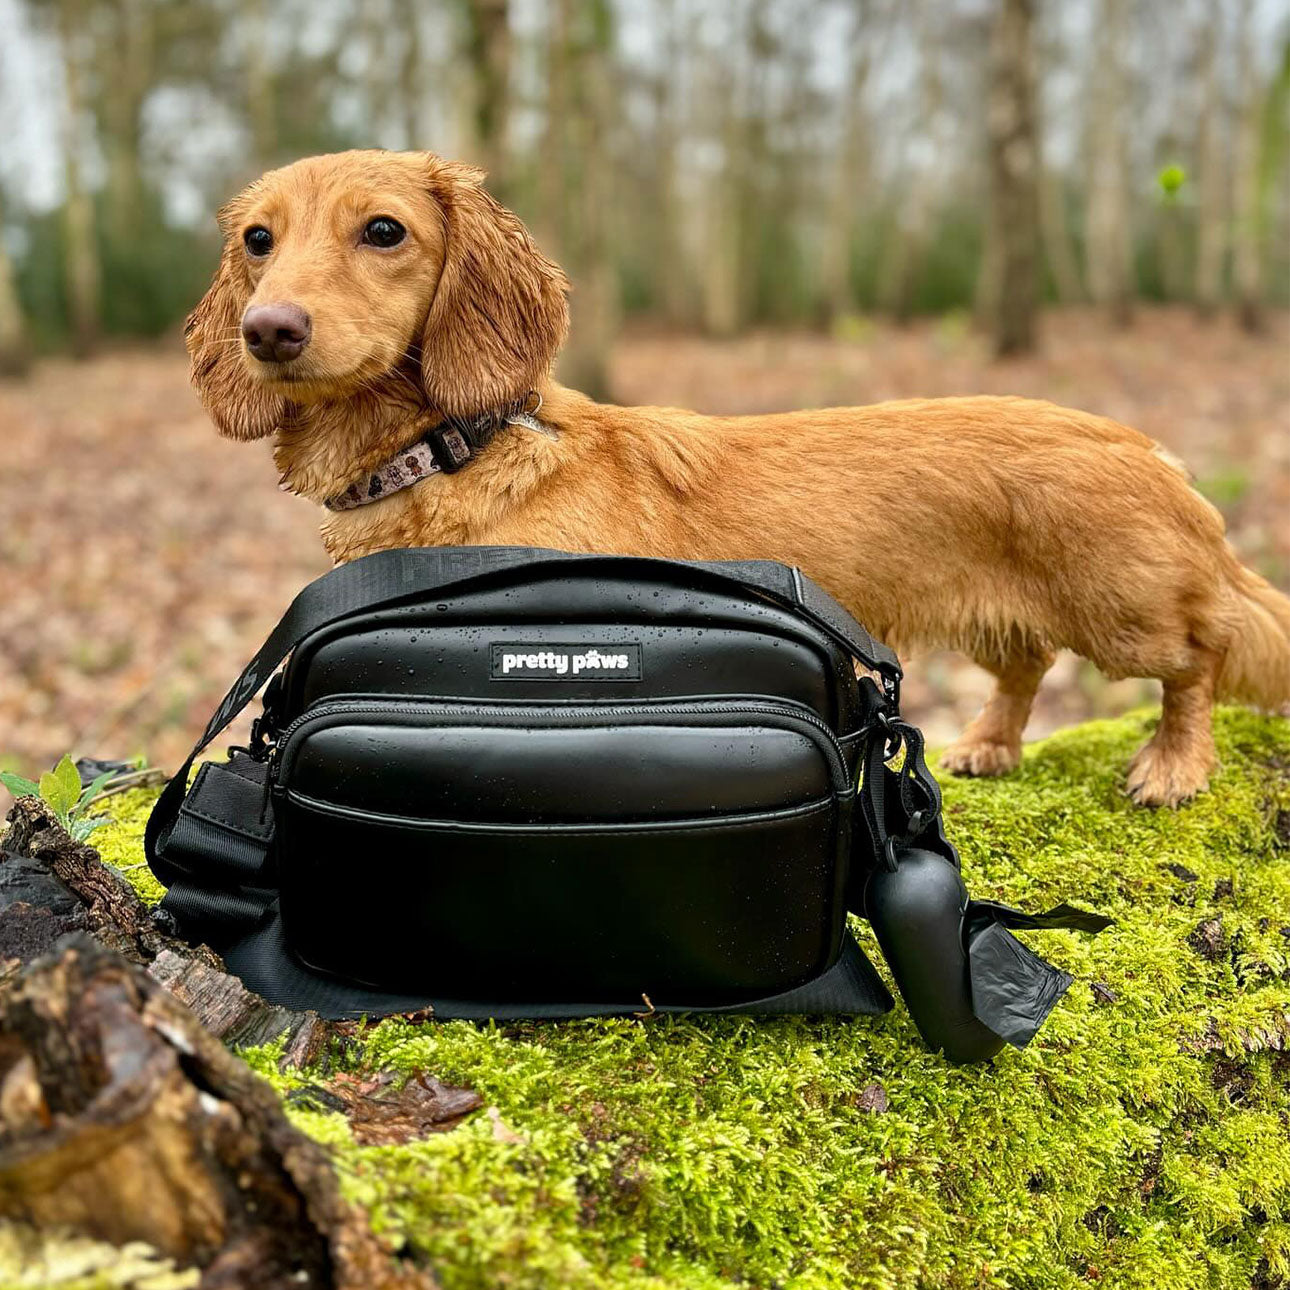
(970, 985)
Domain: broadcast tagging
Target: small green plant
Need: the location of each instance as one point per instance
(60, 789)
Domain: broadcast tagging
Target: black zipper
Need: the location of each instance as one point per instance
(461, 711)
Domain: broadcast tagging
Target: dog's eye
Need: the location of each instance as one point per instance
(258, 240)
(384, 232)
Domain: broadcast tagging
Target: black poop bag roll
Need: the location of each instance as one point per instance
(969, 984)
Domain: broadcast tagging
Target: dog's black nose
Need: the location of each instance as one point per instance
(275, 333)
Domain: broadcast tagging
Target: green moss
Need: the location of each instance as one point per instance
(1140, 1142)
(120, 843)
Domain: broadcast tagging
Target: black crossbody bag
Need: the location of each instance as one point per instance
(503, 782)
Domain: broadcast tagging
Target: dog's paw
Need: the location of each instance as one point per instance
(980, 757)
(1158, 777)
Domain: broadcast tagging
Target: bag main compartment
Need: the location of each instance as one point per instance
(578, 787)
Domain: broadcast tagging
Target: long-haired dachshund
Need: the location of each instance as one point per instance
(393, 328)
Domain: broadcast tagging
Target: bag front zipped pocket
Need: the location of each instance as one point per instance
(414, 833)
(559, 762)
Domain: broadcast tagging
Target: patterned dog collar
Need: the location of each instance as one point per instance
(398, 473)
(443, 450)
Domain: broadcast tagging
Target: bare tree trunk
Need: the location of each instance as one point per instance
(1172, 252)
(374, 19)
(722, 298)
(899, 278)
(1058, 244)
(783, 177)
(553, 171)
(488, 49)
(675, 292)
(1056, 240)
(124, 92)
(849, 177)
(1248, 230)
(1110, 236)
(15, 357)
(411, 99)
(1014, 180)
(261, 103)
(81, 263)
(1212, 179)
(723, 214)
(594, 313)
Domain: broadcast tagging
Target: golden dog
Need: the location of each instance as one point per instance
(367, 298)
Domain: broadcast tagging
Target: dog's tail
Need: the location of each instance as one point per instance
(1256, 669)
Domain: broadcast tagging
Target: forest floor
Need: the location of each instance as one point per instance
(144, 558)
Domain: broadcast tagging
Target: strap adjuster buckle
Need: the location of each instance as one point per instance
(451, 448)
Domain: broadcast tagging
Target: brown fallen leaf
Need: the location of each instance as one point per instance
(872, 1098)
(381, 1114)
(1209, 939)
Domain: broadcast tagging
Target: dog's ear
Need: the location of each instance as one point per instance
(500, 310)
(238, 407)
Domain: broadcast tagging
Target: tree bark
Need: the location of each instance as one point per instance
(1212, 176)
(51, 886)
(124, 1120)
(15, 355)
(676, 296)
(898, 281)
(553, 170)
(594, 311)
(261, 94)
(1057, 242)
(723, 215)
(488, 50)
(81, 258)
(850, 175)
(727, 95)
(1247, 265)
(1110, 237)
(411, 96)
(124, 92)
(1014, 180)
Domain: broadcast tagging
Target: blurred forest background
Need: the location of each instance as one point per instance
(761, 203)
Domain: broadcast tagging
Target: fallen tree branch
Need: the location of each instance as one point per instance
(51, 885)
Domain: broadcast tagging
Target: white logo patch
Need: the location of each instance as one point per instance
(523, 662)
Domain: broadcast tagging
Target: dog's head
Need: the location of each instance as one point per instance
(338, 270)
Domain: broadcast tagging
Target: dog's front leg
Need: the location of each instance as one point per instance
(991, 743)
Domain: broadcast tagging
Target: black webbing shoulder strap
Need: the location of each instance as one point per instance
(390, 577)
